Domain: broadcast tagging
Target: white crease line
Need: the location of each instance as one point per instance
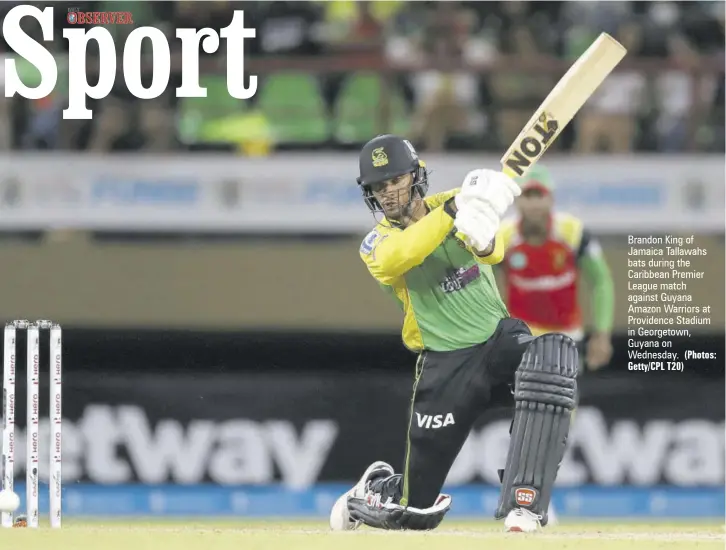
(654, 536)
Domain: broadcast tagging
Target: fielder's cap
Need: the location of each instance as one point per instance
(537, 178)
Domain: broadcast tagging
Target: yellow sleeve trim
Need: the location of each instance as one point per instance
(390, 253)
(506, 232)
(434, 201)
(412, 337)
(497, 254)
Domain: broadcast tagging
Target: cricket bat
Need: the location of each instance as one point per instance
(562, 104)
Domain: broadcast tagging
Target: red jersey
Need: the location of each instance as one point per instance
(542, 281)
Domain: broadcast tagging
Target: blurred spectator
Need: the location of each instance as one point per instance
(366, 29)
(214, 14)
(446, 102)
(350, 22)
(675, 95)
(703, 29)
(518, 93)
(287, 28)
(6, 127)
(445, 51)
(608, 119)
(587, 19)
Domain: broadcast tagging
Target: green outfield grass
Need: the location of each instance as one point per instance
(314, 535)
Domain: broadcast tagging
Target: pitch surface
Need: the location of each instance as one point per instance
(314, 535)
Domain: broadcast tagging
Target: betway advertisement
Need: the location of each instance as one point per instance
(298, 430)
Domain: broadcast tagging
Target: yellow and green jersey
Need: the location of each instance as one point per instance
(448, 294)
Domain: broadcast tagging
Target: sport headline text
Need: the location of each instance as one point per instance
(78, 39)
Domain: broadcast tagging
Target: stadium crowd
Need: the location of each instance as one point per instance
(388, 72)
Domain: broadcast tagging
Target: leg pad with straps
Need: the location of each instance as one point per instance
(545, 392)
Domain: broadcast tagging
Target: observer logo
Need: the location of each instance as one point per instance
(76, 17)
(78, 39)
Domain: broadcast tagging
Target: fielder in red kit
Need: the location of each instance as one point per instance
(546, 252)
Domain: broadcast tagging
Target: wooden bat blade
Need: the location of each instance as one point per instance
(562, 104)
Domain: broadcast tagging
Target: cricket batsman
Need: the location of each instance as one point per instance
(546, 252)
(434, 255)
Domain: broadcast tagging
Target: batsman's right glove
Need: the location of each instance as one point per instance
(478, 223)
(490, 187)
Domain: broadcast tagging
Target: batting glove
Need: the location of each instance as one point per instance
(478, 223)
(490, 187)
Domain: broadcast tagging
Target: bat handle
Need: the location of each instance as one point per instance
(506, 170)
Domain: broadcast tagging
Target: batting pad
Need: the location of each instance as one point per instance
(545, 390)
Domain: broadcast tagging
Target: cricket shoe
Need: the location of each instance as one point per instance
(521, 520)
(21, 521)
(340, 519)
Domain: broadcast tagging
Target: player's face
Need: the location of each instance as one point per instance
(535, 206)
(394, 195)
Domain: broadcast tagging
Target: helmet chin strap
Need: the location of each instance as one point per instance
(407, 214)
(405, 209)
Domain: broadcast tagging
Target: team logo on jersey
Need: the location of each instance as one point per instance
(369, 243)
(518, 260)
(459, 279)
(379, 157)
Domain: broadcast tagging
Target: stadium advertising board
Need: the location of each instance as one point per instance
(321, 428)
(318, 194)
